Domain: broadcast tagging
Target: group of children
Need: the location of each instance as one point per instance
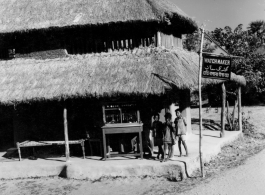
(168, 133)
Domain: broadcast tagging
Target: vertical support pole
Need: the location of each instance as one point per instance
(104, 114)
(228, 115)
(19, 153)
(83, 148)
(158, 39)
(200, 103)
(104, 145)
(67, 152)
(222, 133)
(138, 116)
(141, 143)
(233, 115)
(172, 109)
(239, 109)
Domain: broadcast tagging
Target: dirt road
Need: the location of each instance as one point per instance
(244, 180)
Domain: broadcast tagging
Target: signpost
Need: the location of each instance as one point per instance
(216, 67)
(212, 67)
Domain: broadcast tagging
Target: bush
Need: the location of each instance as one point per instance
(247, 126)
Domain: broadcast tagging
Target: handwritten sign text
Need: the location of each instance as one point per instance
(216, 67)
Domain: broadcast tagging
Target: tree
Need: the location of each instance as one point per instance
(191, 42)
(252, 65)
(257, 27)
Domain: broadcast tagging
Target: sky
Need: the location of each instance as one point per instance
(221, 13)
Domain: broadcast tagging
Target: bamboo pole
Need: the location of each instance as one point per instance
(239, 109)
(200, 104)
(222, 133)
(67, 152)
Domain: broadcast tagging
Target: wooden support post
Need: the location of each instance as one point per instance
(228, 115)
(104, 115)
(158, 39)
(239, 110)
(19, 153)
(200, 104)
(222, 133)
(104, 146)
(138, 116)
(83, 148)
(67, 152)
(233, 115)
(141, 145)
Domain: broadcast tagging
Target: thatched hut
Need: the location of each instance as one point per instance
(88, 26)
(94, 49)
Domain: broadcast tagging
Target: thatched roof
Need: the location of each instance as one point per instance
(141, 71)
(20, 15)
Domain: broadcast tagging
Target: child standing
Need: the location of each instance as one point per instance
(180, 125)
(157, 128)
(168, 136)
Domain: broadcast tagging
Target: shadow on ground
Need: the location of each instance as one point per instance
(207, 124)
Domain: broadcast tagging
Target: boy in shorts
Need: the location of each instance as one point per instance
(180, 125)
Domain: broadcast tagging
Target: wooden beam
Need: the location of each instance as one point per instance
(67, 152)
(222, 133)
(239, 109)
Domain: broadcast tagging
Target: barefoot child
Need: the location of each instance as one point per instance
(157, 128)
(180, 125)
(168, 136)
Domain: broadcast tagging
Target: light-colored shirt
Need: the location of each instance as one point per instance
(168, 132)
(180, 124)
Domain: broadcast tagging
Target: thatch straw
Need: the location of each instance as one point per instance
(141, 71)
(20, 15)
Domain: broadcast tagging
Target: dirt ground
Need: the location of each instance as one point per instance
(231, 156)
(244, 180)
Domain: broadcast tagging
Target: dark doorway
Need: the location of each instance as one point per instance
(6, 128)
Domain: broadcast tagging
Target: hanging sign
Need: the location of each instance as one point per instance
(216, 67)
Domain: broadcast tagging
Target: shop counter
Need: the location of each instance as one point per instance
(122, 129)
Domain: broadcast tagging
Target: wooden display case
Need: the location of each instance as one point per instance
(121, 118)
